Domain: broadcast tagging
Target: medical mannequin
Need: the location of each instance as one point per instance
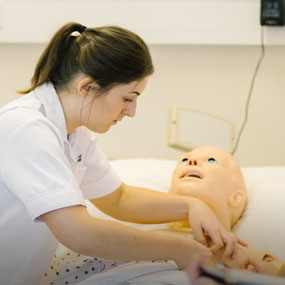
(213, 175)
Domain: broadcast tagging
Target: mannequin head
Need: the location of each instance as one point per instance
(213, 176)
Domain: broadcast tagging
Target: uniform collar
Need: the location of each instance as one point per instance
(52, 106)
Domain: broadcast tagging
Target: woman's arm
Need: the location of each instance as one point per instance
(82, 233)
(142, 205)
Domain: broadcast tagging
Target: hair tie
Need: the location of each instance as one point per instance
(82, 29)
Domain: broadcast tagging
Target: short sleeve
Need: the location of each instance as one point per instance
(35, 168)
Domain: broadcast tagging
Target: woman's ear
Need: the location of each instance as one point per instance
(85, 85)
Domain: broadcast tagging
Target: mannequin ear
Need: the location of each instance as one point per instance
(236, 199)
(236, 202)
(85, 85)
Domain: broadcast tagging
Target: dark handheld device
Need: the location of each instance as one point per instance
(240, 277)
(272, 13)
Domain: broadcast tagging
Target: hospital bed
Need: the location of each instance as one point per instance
(261, 224)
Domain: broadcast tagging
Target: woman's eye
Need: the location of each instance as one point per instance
(128, 100)
(212, 160)
(184, 159)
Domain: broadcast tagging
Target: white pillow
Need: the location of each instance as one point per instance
(261, 225)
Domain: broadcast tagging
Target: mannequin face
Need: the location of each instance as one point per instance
(213, 176)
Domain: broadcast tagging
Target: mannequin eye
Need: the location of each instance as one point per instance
(212, 160)
(184, 159)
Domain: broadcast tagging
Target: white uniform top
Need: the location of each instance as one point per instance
(42, 169)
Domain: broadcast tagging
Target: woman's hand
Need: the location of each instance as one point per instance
(187, 248)
(194, 272)
(205, 225)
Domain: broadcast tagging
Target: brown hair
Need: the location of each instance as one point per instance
(110, 55)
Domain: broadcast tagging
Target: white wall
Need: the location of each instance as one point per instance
(209, 78)
(157, 21)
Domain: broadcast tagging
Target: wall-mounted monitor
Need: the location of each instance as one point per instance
(189, 128)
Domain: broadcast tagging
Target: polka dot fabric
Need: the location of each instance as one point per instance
(71, 268)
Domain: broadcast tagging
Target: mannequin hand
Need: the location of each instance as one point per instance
(205, 224)
(259, 267)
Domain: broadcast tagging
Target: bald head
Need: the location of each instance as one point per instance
(213, 176)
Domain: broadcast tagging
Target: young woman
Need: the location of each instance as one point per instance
(87, 80)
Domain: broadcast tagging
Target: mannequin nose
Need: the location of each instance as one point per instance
(192, 162)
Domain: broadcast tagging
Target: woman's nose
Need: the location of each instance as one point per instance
(192, 162)
(131, 110)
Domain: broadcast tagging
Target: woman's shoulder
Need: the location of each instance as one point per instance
(18, 123)
(27, 106)
(14, 117)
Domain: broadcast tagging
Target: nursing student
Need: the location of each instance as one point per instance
(86, 81)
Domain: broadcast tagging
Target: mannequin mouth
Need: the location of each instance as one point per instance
(192, 175)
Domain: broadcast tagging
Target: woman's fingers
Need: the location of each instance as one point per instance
(231, 242)
(231, 249)
(221, 238)
(231, 245)
(204, 221)
(241, 242)
(199, 234)
(213, 233)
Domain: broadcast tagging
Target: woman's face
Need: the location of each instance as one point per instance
(108, 108)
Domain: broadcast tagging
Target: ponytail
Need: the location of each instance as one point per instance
(53, 56)
(110, 55)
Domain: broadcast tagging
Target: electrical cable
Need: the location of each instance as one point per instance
(250, 91)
